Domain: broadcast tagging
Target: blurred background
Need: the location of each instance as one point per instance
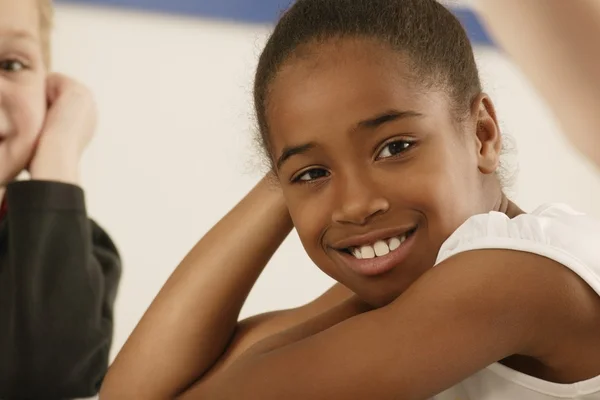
(174, 152)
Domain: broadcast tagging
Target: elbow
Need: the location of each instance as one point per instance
(114, 388)
(111, 390)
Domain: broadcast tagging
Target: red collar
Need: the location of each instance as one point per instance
(3, 209)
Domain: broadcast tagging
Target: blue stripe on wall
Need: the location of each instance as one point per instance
(255, 11)
(473, 26)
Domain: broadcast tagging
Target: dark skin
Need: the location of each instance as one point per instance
(350, 191)
(415, 330)
(318, 101)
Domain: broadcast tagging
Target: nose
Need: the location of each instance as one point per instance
(358, 201)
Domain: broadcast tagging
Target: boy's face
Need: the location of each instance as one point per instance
(22, 85)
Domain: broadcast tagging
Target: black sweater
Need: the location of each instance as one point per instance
(59, 273)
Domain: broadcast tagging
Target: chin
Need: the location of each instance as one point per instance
(8, 175)
(377, 300)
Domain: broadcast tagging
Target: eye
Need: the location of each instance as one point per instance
(394, 148)
(12, 65)
(310, 175)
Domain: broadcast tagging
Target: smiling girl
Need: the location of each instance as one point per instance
(386, 152)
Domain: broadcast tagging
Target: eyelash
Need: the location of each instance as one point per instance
(298, 178)
(408, 145)
(11, 61)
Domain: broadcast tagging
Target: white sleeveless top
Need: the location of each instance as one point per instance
(554, 231)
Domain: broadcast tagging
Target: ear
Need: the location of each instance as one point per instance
(488, 136)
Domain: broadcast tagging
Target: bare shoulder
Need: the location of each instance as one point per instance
(557, 312)
(513, 278)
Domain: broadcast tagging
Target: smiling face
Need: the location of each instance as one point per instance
(22, 85)
(376, 170)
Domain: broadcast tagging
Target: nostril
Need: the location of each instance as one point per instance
(360, 208)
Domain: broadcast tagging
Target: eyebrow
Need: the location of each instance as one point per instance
(370, 123)
(385, 117)
(292, 151)
(18, 34)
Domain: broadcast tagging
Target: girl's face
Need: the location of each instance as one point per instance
(376, 171)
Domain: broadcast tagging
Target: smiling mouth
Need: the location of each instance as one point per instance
(379, 257)
(380, 248)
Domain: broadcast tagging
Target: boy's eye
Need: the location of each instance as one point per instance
(393, 149)
(11, 65)
(311, 175)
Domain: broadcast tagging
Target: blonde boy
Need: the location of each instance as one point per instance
(59, 271)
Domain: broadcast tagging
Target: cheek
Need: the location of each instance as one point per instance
(23, 112)
(38, 109)
(309, 219)
(427, 181)
(446, 192)
(27, 109)
(311, 216)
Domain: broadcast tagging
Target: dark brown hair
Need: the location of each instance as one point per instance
(435, 42)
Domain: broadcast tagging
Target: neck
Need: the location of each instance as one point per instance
(505, 206)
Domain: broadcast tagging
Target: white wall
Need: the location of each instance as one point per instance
(173, 151)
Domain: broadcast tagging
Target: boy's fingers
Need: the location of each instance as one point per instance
(52, 89)
(55, 84)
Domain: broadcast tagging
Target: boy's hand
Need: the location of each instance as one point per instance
(68, 128)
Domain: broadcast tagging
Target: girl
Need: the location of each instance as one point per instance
(385, 151)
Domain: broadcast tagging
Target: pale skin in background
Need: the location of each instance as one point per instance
(190, 345)
(46, 119)
(555, 43)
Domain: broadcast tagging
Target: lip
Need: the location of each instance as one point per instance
(372, 237)
(379, 265)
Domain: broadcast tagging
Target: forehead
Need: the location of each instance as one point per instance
(20, 17)
(335, 85)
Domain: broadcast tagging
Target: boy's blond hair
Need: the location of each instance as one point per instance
(46, 20)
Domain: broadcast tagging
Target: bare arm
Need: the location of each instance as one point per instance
(475, 309)
(254, 329)
(555, 43)
(192, 326)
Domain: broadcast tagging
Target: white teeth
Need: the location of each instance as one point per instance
(367, 252)
(381, 248)
(394, 243)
